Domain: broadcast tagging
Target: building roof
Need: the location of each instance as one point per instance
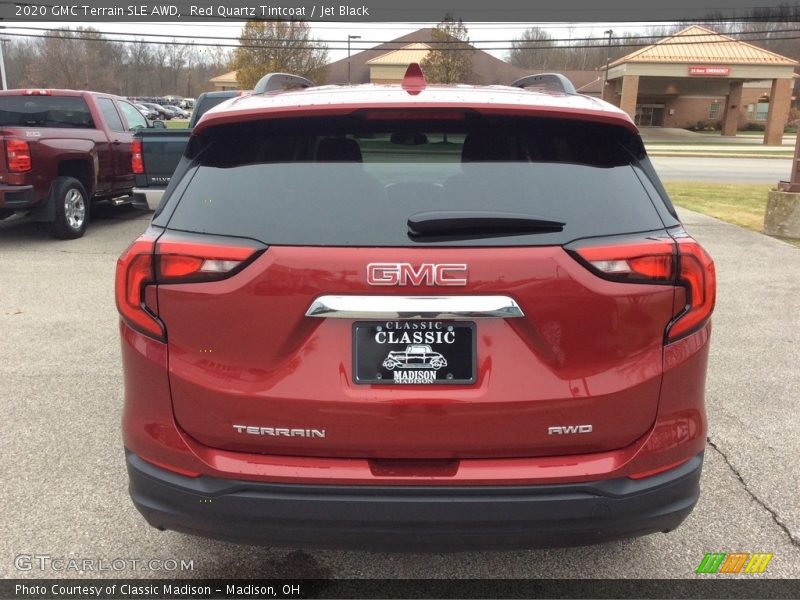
(413, 53)
(229, 77)
(699, 45)
(486, 69)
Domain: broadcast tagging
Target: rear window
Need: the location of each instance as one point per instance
(206, 104)
(356, 181)
(45, 111)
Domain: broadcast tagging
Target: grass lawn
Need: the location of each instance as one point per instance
(173, 124)
(787, 131)
(740, 204)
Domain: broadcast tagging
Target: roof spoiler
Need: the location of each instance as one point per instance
(272, 82)
(550, 82)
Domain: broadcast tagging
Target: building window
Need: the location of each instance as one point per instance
(713, 110)
(762, 110)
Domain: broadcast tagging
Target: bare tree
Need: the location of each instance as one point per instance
(533, 49)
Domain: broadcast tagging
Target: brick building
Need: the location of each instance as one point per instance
(695, 77)
(699, 76)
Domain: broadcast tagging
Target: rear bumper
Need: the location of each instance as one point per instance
(147, 199)
(16, 197)
(414, 517)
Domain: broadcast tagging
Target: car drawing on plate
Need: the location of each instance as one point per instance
(414, 357)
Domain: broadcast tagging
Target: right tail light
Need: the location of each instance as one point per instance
(674, 259)
(697, 275)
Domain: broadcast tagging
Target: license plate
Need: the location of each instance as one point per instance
(414, 352)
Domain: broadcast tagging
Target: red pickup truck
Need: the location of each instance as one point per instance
(62, 149)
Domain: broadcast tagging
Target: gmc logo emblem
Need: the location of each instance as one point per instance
(445, 274)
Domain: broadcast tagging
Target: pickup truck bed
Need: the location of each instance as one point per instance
(159, 152)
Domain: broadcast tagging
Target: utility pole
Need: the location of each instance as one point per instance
(794, 179)
(609, 33)
(3, 63)
(350, 37)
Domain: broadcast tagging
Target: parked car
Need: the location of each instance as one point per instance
(60, 150)
(163, 113)
(178, 113)
(521, 235)
(148, 113)
(159, 152)
(187, 103)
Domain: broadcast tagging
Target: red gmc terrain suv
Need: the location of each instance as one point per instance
(415, 316)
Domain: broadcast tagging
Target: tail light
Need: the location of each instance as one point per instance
(18, 156)
(137, 162)
(676, 260)
(697, 275)
(147, 263)
(134, 273)
(186, 261)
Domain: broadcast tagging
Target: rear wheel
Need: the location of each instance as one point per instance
(71, 208)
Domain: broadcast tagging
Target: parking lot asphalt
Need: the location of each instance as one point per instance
(64, 495)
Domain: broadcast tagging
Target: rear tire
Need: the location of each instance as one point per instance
(71, 208)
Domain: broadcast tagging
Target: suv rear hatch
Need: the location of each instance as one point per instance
(296, 252)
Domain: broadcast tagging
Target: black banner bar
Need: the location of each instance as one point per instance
(386, 10)
(144, 589)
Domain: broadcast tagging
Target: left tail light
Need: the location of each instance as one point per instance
(137, 161)
(676, 260)
(148, 262)
(18, 156)
(134, 273)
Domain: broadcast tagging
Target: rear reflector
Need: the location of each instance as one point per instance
(652, 472)
(678, 260)
(18, 156)
(172, 468)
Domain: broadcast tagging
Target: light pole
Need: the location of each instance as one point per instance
(350, 37)
(609, 33)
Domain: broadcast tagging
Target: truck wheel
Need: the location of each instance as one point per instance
(71, 208)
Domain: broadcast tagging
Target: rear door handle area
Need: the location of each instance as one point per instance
(414, 307)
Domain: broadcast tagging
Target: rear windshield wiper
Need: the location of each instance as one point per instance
(476, 224)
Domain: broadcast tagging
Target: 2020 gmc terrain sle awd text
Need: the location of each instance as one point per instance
(520, 237)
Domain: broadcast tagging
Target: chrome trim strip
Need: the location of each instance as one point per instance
(414, 307)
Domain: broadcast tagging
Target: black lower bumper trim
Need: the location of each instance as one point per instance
(16, 197)
(414, 517)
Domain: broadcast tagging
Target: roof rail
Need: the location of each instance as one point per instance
(272, 82)
(551, 82)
